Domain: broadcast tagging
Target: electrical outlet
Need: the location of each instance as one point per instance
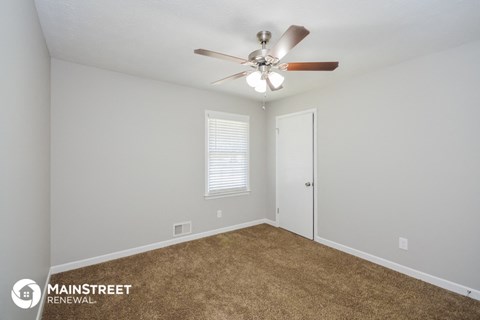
(219, 213)
(403, 243)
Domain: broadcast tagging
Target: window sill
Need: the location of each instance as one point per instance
(226, 195)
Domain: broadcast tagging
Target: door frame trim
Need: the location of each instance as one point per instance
(315, 177)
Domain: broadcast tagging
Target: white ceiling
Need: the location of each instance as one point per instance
(156, 38)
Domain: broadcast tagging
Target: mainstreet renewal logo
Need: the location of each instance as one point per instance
(79, 294)
(26, 293)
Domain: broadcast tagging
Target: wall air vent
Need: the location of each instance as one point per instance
(182, 228)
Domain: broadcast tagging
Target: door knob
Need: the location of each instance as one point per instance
(307, 184)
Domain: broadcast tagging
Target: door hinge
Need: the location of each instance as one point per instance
(278, 130)
(278, 210)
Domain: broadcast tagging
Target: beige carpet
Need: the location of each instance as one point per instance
(260, 272)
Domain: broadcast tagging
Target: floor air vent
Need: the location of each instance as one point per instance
(183, 228)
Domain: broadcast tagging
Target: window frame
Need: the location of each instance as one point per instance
(225, 116)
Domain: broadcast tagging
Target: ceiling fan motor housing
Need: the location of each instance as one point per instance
(258, 56)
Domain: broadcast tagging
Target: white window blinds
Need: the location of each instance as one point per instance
(227, 154)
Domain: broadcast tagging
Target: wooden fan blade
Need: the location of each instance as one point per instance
(270, 85)
(218, 55)
(312, 66)
(233, 77)
(289, 39)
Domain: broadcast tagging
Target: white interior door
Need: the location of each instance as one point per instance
(295, 188)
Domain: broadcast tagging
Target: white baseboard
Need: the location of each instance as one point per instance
(44, 296)
(442, 283)
(125, 253)
(439, 282)
(271, 222)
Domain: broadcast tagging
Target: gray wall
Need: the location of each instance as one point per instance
(399, 155)
(128, 161)
(25, 152)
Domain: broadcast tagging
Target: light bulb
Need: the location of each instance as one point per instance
(261, 86)
(276, 79)
(254, 78)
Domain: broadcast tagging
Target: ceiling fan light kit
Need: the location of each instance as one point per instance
(276, 79)
(264, 60)
(254, 78)
(258, 81)
(261, 86)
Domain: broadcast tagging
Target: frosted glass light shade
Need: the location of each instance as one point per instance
(276, 79)
(254, 78)
(261, 86)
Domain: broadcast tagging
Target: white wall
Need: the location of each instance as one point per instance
(25, 152)
(128, 161)
(399, 155)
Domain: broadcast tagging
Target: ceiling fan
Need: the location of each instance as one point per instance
(264, 60)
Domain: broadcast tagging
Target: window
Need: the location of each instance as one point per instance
(227, 154)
